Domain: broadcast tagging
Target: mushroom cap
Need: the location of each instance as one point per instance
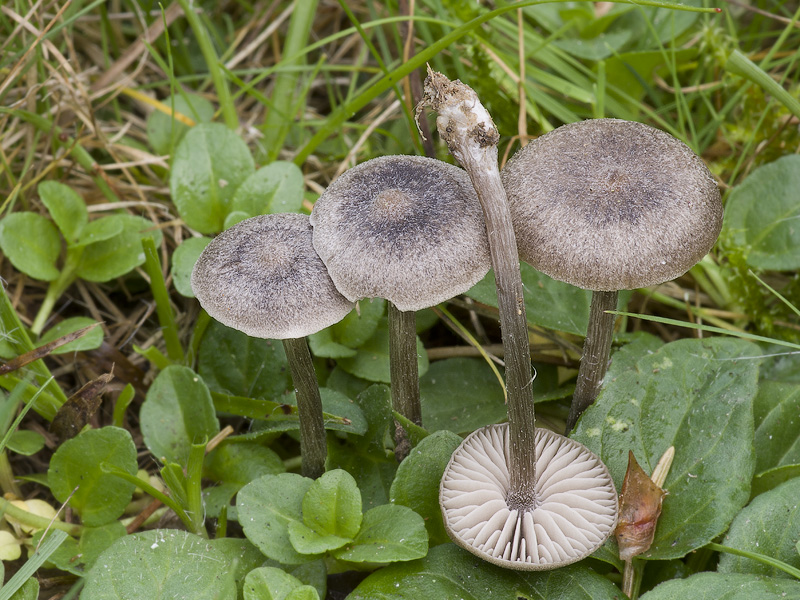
(575, 503)
(263, 277)
(607, 205)
(406, 228)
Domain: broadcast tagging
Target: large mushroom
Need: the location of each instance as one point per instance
(516, 496)
(610, 205)
(263, 277)
(408, 229)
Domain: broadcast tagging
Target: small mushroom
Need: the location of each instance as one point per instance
(609, 205)
(574, 512)
(263, 277)
(408, 229)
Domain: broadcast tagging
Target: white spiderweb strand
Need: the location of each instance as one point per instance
(575, 508)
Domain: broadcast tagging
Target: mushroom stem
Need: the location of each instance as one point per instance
(404, 372)
(596, 350)
(313, 446)
(471, 136)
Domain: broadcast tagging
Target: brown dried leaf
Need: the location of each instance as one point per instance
(42, 351)
(75, 413)
(639, 509)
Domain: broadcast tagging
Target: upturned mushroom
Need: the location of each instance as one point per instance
(610, 205)
(516, 496)
(408, 229)
(263, 277)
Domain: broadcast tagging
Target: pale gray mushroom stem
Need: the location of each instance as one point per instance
(404, 371)
(472, 138)
(596, 352)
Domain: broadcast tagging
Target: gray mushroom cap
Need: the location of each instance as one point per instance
(575, 507)
(264, 278)
(406, 228)
(607, 205)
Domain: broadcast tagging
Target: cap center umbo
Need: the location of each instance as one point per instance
(392, 204)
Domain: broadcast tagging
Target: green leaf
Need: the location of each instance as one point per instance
(389, 533)
(776, 410)
(416, 484)
(266, 507)
(696, 395)
(372, 360)
(77, 465)
(236, 364)
(177, 413)
(304, 592)
(332, 505)
(715, 586)
(100, 230)
(25, 442)
(772, 478)
(90, 341)
(66, 207)
(450, 572)
(163, 564)
(461, 395)
(241, 463)
(242, 556)
(761, 214)
(183, 260)
(365, 457)
(32, 244)
(359, 325)
(210, 163)
(270, 583)
(164, 132)
(77, 557)
(28, 591)
(769, 525)
(275, 188)
(114, 257)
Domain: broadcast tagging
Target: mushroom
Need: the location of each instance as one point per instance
(408, 229)
(263, 278)
(575, 509)
(609, 205)
(500, 477)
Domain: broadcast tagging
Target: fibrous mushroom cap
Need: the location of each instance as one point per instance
(575, 507)
(406, 228)
(607, 205)
(264, 278)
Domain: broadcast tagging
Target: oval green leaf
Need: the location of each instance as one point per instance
(164, 132)
(275, 188)
(728, 586)
(183, 260)
(389, 533)
(66, 207)
(32, 244)
(89, 341)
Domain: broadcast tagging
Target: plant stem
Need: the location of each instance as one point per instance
(469, 132)
(27, 518)
(632, 578)
(309, 405)
(404, 373)
(152, 266)
(596, 350)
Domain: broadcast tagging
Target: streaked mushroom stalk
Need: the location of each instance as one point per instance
(467, 128)
(404, 373)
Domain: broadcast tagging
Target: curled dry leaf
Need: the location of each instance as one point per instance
(640, 507)
(76, 412)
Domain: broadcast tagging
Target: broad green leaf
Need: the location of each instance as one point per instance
(100, 230)
(210, 163)
(25, 442)
(236, 364)
(313, 573)
(366, 457)
(66, 207)
(163, 131)
(389, 533)
(242, 556)
(719, 586)
(304, 592)
(266, 506)
(632, 72)
(776, 410)
(450, 572)
(307, 541)
(32, 244)
(359, 325)
(772, 478)
(350, 385)
(371, 362)
(28, 591)
(761, 214)
(270, 583)
(183, 260)
(695, 395)
(177, 413)
(77, 465)
(89, 341)
(769, 525)
(323, 345)
(461, 395)
(241, 463)
(78, 556)
(234, 218)
(275, 188)
(116, 256)
(162, 564)
(416, 484)
(780, 364)
(332, 505)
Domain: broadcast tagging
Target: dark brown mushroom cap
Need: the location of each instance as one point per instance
(264, 278)
(406, 228)
(608, 205)
(575, 507)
